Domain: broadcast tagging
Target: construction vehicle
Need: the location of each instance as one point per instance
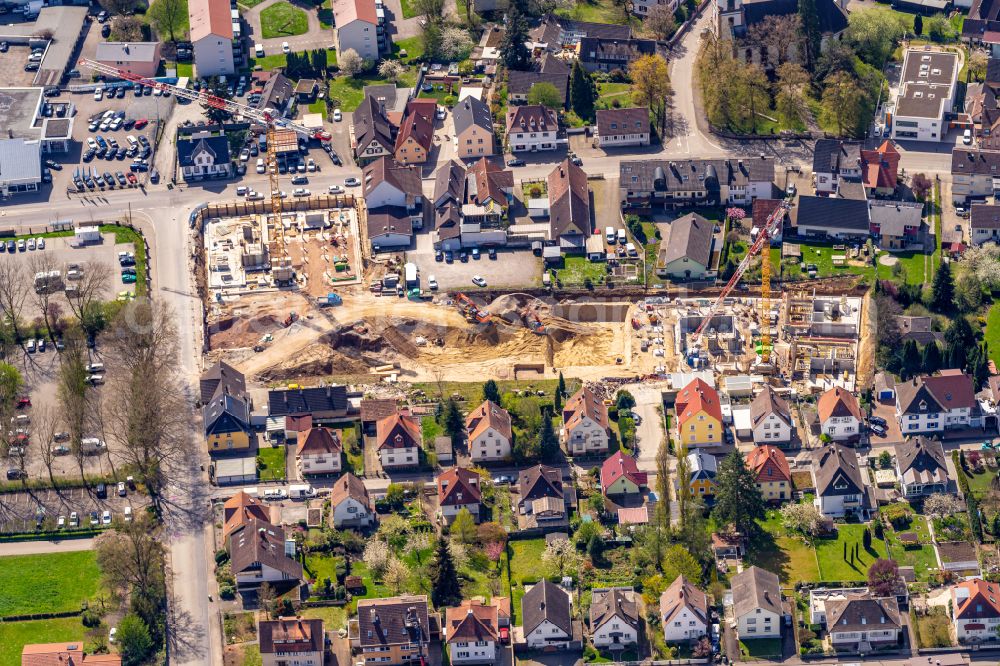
(763, 346)
(290, 319)
(534, 321)
(329, 300)
(281, 264)
(470, 310)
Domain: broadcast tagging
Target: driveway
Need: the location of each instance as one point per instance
(316, 37)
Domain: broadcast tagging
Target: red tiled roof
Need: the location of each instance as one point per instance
(398, 431)
(880, 166)
(697, 396)
(838, 402)
(458, 486)
(620, 465)
(767, 456)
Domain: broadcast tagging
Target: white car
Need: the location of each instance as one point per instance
(285, 48)
(106, 517)
(41, 243)
(352, 182)
(132, 141)
(337, 115)
(98, 95)
(432, 283)
(335, 189)
(967, 137)
(92, 142)
(300, 192)
(74, 519)
(478, 280)
(31, 243)
(260, 165)
(111, 634)
(128, 514)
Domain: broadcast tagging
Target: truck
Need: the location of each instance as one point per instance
(301, 491)
(410, 273)
(329, 300)
(390, 280)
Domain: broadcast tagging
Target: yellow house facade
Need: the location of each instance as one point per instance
(227, 424)
(699, 415)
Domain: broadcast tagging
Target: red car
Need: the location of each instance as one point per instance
(23, 401)
(142, 122)
(130, 177)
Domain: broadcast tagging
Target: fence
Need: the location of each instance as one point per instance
(263, 206)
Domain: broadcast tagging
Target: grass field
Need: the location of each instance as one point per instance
(525, 564)
(608, 93)
(407, 7)
(760, 648)
(576, 270)
(185, 69)
(51, 583)
(821, 255)
(993, 332)
(319, 106)
(349, 90)
(472, 392)
(283, 20)
(790, 557)
(597, 11)
(830, 553)
(15, 635)
(922, 559)
(334, 617)
(271, 463)
(414, 47)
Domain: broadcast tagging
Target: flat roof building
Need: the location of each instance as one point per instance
(926, 94)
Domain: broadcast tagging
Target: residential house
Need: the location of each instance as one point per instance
(880, 169)
(699, 414)
(391, 630)
(834, 159)
(259, 553)
(840, 489)
(305, 91)
(541, 501)
(472, 632)
(350, 503)
(138, 58)
(322, 402)
(687, 255)
(831, 217)
(975, 610)
(227, 424)
(918, 329)
(473, 129)
(277, 99)
(771, 472)
(972, 174)
(519, 84)
(319, 452)
(220, 379)
(458, 488)
(374, 410)
(240, 509)
(387, 183)
(585, 428)
(926, 95)
(757, 604)
(212, 38)
(896, 225)
(921, 467)
(622, 127)
(545, 617)
(702, 470)
(620, 476)
(770, 418)
(839, 414)
(597, 54)
(946, 401)
(372, 135)
(204, 157)
(862, 623)
(291, 640)
(658, 184)
(295, 425)
(984, 224)
(683, 612)
(64, 654)
(398, 441)
(356, 28)
(614, 618)
(733, 18)
(641, 8)
(490, 438)
(414, 140)
(556, 33)
(569, 207)
(390, 229)
(490, 187)
(531, 128)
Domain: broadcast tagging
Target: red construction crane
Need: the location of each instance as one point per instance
(763, 238)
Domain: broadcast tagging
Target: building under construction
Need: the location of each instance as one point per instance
(819, 339)
(720, 341)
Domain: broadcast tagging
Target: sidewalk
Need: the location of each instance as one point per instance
(44, 547)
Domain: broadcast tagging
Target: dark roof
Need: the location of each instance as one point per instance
(669, 175)
(416, 126)
(978, 162)
(614, 51)
(261, 542)
(837, 465)
(519, 83)
(993, 71)
(386, 220)
(623, 121)
(755, 588)
(832, 155)
(226, 413)
(371, 125)
(923, 455)
(691, 237)
(768, 402)
(290, 634)
(832, 213)
(448, 221)
(569, 200)
(458, 486)
(222, 378)
(393, 621)
(538, 482)
(449, 183)
(985, 216)
(282, 402)
(615, 602)
(546, 601)
(949, 390)
(318, 441)
(533, 118)
(682, 594)
(556, 31)
(277, 92)
(406, 179)
(858, 612)
(832, 18)
(373, 409)
(217, 147)
(472, 111)
(349, 486)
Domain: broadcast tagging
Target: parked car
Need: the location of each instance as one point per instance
(515, 163)
(478, 280)
(352, 182)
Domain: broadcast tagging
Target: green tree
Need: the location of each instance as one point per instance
(513, 52)
(789, 97)
(679, 562)
(930, 358)
(873, 33)
(683, 484)
(942, 289)
(811, 31)
(546, 94)
(911, 359)
(841, 102)
(624, 401)
(754, 87)
(548, 442)
(561, 386)
(595, 548)
(582, 92)
(737, 499)
(651, 87)
(885, 460)
(133, 640)
(454, 423)
(975, 520)
(11, 384)
(168, 16)
(463, 528)
(491, 392)
(445, 588)
(918, 25)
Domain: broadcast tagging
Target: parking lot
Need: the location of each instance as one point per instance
(12, 67)
(21, 511)
(511, 268)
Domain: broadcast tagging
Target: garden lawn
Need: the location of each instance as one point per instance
(283, 20)
(596, 11)
(185, 69)
(790, 557)
(127, 235)
(760, 648)
(609, 93)
(52, 583)
(979, 484)
(652, 248)
(15, 635)
(472, 392)
(407, 7)
(319, 106)
(349, 90)
(993, 332)
(821, 254)
(334, 617)
(271, 463)
(320, 566)
(830, 553)
(414, 47)
(525, 564)
(576, 270)
(921, 558)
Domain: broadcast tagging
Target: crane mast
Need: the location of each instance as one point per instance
(763, 239)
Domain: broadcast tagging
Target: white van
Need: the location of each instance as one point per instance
(622, 239)
(630, 248)
(274, 494)
(95, 367)
(301, 491)
(258, 50)
(609, 235)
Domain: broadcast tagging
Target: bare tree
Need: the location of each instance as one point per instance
(85, 301)
(71, 391)
(779, 37)
(131, 558)
(42, 294)
(13, 294)
(44, 423)
(120, 7)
